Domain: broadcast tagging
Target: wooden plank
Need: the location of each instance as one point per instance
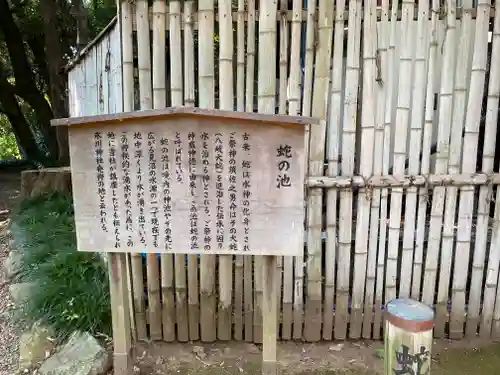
(467, 194)
(270, 326)
(348, 149)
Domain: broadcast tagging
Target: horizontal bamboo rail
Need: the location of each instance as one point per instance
(290, 16)
(391, 181)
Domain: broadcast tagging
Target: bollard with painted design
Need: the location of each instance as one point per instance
(408, 337)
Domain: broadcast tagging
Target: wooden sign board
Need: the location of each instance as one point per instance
(186, 180)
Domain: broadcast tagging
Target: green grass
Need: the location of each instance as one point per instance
(71, 289)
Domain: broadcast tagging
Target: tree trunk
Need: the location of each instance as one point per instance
(57, 76)
(25, 80)
(22, 129)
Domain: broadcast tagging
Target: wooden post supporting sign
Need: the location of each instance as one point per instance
(189, 181)
(408, 337)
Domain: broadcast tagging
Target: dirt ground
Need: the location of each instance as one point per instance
(294, 358)
(353, 358)
(9, 337)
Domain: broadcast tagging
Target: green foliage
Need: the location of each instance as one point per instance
(8, 144)
(71, 288)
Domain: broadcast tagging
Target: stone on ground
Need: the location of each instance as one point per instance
(81, 355)
(21, 292)
(35, 346)
(12, 265)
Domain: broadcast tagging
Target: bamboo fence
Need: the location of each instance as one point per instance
(396, 205)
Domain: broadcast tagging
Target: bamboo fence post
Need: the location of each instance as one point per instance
(444, 126)
(495, 244)
(348, 154)
(125, 15)
(266, 104)
(462, 78)
(489, 149)
(206, 85)
(159, 100)
(367, 147)
(240, 106)
(145, 99)
(389, 35)
(466, 204)
(282, 95)
(416, 127)
(379, 92)
(248, 295)
(481, 235)
(333, 145)
(400, 140)
(177, 100)
(189, 101)
(426, 150)
(224, 315)
(293, 110)
(312, 329)
(408, 337)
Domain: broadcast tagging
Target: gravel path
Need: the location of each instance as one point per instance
(9, 337)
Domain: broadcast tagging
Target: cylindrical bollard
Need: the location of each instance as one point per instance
(408, 337)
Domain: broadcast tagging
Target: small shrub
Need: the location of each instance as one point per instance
(8, 144)
(71, 288)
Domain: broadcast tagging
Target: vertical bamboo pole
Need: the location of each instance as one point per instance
(125, 10)
(145, 99)
(298, 305)
(159, 101)
(267, 103)
(348, 153)
(249, 95)
(333, 168)
(444, 121)
(389, 36)
(466, 204)
(177, 100)
(312, 329)
(426, 150)
(481, 236)
(224, 316)
(380, 78)
(189, 101)
(240, 106)
(495, 244)
(401, 129)
(491, 282)
(459, 102)
(367, 148)
(206, 86)
(293, 110)
(416, 128)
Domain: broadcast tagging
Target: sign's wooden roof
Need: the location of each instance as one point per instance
(160, 114)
